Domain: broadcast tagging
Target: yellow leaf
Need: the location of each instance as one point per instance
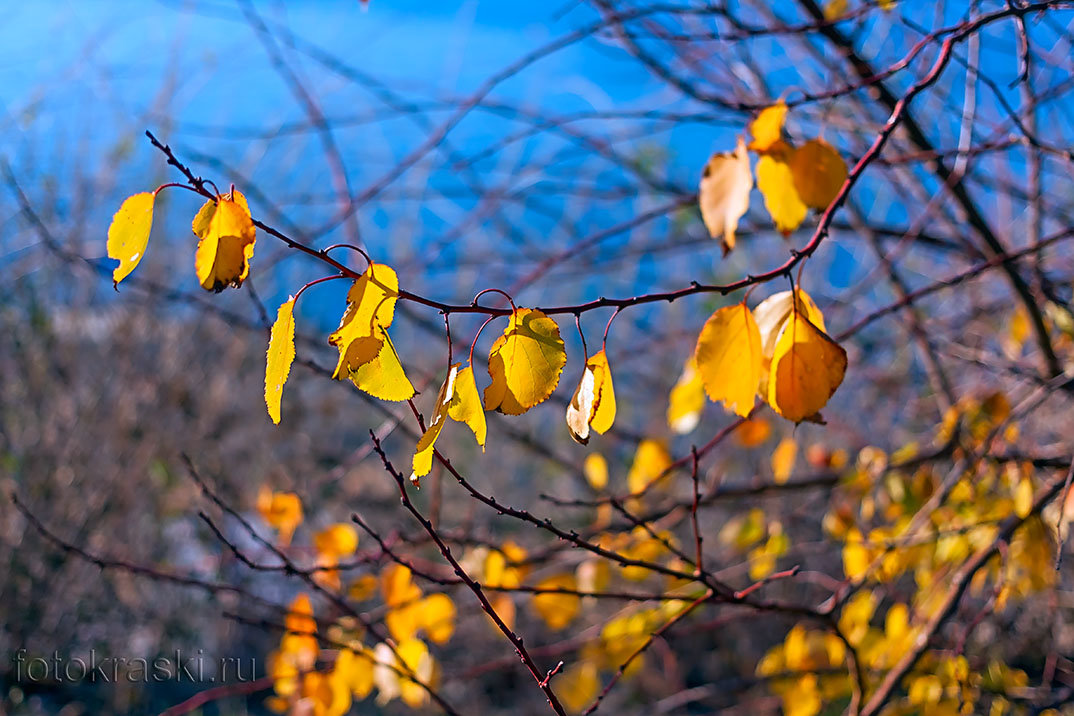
(466, 405)
(1023, 497)
(355, 670)
(807, 368)
(338, 540)
(438, 617)
(593, 404)
(767, 128)
(281, 353)
(416, 659)
(819, 173)
(128, 234)
(281, 510)
(724, 195)
(776, 182)
(370, 305)
(226, 236)
(423, 453)
(595, 468)
(557, 609)
(783, 460)
(687, 399)
(396, 585)
(362, 588)
(651, 460)
(855, 556)
(835, 9)
(728, 357)
(524, 363)
(771, 315)
(299, 618)
(578, 686)
(753, 432)
(383, 376)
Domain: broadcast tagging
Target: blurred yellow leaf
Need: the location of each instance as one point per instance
(783, 458)
(753, 432)
(1023, 497)
(128, 235)
(466, 405)
(807, 368)
(724, 194)
(578, 686)
(280, 356)
(593, 404)
(819, 173)
(423, 453)
(835, 9)
(855, 556)
(396, 585)
(687, 399)
(595, 469)
(438, 617)
(776, 182)
(281, 510)
(355, 670)
(524, 363)
(651, 460)
(728, 358)
(338, 540)
(767, 128)
(226, 236)
(556, 609)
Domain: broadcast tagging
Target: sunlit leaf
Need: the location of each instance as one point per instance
(819, 173)
(466, 405)
(728, 357)
(383, 376)
(593, 404)
(226, 236)
(524, 363)
(767, 128)
(423, 453)
(281, 354)
(776, 182)
(128, 234)
(724, 194)
(807, 368)
(370, 306)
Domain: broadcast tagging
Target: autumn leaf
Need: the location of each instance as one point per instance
(593, 404)
(753, 432)
(818, 172)
(226, 236)
(807, 368)
(281, 354)
(651, 460)
(687, 399)
(128, 235)
(724, 195)
(776, 182)
(728, 357)
(783, 458)
(771, 315)
(557, 610)
(423, 453)
(595, 469)
(767, 128)
(466, 405)
(579, 685)
(338, 540)
(438, 617)
(383, 376)
(370, 305)
(524, 363)
(281, 510)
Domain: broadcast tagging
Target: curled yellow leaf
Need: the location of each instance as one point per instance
(226, 236)
(423, 453)
(280, 356)
(524, 363)
(466, 405)
(724, 194)
(807, 368)
(776, 182)
(128, 235)
(593, 404)
(771, 315)
(370, 305)
(819, 173)
(728, 358)
(383, 376)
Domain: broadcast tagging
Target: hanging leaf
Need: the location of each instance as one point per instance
(807, 368)
(281, 353)
(771, 316)
(226, 236)
(776, 182)
(687, 399)
(819, 173)
(370, 305)
(728, 357)
(466, 405)
(383, 376)
(128, 234)
(524, 363)
(423, 454)
(593, 404)
(724, 195)
(767, 128)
